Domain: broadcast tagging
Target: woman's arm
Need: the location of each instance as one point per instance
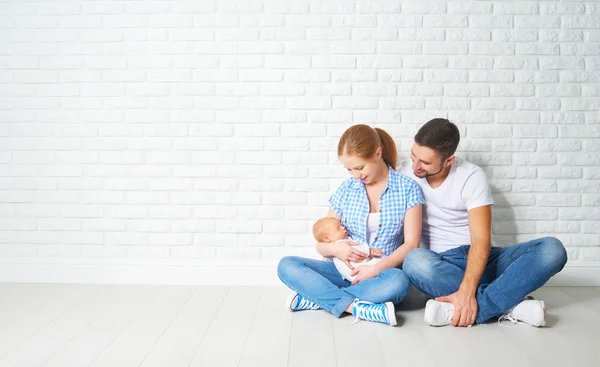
(413, 222)
(412, 236)
(342, 250)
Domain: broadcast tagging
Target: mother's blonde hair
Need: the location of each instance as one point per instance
(363, 141)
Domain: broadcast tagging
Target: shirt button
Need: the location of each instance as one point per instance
(380, 210)
(380, 226)
(375, 239)
(345, 220)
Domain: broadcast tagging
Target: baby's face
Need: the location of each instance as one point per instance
(338, 232)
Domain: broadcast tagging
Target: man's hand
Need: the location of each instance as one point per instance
(465, 307)
(364, 272)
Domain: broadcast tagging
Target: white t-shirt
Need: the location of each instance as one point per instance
(445, 217)
(372, 227)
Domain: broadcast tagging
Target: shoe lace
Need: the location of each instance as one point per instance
(305, 304)
(364, 310)
(510, 318)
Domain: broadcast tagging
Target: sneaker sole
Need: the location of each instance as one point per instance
(544, 310)
(431, 308)
(391, 313)
(288, 302)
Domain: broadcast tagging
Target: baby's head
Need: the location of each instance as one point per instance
(329, 229)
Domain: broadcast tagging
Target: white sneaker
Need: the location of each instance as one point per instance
(438, 313)
(530, 312)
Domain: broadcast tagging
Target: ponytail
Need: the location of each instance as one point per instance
(390, 153)
(363, 141)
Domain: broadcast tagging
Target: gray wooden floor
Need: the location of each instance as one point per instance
(114, 325)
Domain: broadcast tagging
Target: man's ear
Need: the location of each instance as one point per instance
(449, 160)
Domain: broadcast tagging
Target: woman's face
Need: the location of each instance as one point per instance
(365, 170)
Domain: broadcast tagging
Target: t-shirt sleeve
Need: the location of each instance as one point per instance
(336, 201)
(477, 191)
(415, 195)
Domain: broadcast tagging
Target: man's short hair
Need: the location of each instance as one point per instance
(440, 135)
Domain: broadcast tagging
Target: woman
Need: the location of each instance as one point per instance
(377, 205)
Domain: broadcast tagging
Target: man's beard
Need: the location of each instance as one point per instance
(430, 174)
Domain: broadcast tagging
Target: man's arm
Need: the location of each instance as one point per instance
(464, 300)
(480, 223)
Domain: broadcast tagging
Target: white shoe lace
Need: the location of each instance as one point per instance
(508, 317)
(372, 312)
(306, 305)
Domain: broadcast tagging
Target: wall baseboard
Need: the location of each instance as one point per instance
(192, 272)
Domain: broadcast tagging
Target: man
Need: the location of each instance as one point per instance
(469, 280)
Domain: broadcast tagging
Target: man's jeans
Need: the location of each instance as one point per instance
(511, 273)
(320, 282)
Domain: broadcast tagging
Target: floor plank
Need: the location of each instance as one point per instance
(20, 298)
(86, 346)
(35, 350)
(312, 340)
(569, 310)
(134, 343)
(269, 336)
(589, 296)
(357, 345)
(404, 345)
(181, 339)
(110, 325)
(47, 310)
(224, 342)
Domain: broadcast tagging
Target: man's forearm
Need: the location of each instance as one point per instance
(476, 262)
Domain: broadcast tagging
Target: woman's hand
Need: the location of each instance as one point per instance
(364, 272)
(346, 253)
(376, 252)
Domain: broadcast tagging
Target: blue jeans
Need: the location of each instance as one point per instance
(511, 273)
(320, 282)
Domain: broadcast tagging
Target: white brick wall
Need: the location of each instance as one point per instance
(208, 129)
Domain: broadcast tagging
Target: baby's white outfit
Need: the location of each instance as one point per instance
(372, 226)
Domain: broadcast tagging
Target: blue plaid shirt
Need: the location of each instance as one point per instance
(351, 203)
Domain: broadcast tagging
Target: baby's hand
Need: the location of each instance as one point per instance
(376, 252)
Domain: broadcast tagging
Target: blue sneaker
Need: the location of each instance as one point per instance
(295, 302)
(376, 312)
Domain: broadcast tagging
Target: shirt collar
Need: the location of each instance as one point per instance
(391, 182)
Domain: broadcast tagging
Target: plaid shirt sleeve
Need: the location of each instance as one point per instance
(336, 201)
(414, 195)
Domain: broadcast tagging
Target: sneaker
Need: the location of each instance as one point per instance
(438, 313)
(376, 312)
(295, 302)
(530, 312)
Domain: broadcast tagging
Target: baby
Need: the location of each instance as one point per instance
(331, 230)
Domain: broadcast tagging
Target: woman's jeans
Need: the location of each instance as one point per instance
(320, 282)
(510, 275)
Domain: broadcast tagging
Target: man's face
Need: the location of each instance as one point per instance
(426, 161)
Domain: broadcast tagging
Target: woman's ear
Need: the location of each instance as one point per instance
(379, 152)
